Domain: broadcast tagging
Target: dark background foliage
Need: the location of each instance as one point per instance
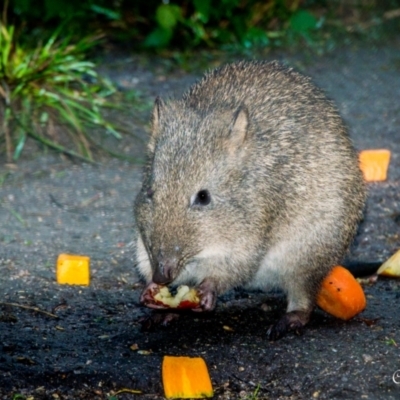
(191, 23)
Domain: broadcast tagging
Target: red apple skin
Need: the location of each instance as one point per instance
(184, 304)
(187, 304)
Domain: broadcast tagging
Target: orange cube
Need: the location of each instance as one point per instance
(374, 164)
(73, 269)
(341, 295)
(186, 378)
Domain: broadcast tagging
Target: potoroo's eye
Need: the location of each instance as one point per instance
(149, 192)
(202, 198)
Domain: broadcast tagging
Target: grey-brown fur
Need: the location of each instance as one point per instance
(285, 187)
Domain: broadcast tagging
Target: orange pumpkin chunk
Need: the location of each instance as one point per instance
(73, 269)
(341, 295)
(186, 378)
(374, 164)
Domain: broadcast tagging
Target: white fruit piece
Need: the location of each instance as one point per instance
(185, 297)
(391, 267)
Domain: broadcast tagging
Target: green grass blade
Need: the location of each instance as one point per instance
(6, 45)
(15, 214)
(20, 145)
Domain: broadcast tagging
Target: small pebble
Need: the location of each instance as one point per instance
(367, 358)
(265, 307)
(227, 328)
(144, 352)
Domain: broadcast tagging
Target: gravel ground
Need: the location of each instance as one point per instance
(92, 345)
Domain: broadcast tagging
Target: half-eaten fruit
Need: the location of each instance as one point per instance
(185, 297)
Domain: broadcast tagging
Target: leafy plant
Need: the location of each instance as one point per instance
(248, 23)
(183, 24)
(50, 93)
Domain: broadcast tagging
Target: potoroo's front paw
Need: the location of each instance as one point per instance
(147, 297)
(208, 296)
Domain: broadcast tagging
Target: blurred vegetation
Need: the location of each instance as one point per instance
(186, 24)
(50, 93)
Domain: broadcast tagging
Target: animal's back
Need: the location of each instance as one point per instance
(288, 113)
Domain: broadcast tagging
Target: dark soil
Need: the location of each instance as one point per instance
(94, 346)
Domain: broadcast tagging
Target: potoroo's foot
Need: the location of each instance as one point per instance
(292, 321)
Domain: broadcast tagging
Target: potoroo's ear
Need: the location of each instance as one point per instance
(155, 122)
(238, 130)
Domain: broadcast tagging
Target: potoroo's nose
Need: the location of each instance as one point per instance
(163, 273)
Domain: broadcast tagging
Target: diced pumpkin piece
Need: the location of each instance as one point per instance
(391, 267)
(73, 269)
(374, 164)
(341, 295)
(186, 378)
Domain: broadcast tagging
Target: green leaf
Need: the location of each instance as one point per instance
(203, 8)
(167, 16)
(6, 44)
(20, 146)
(69, 117)
(47, 47)
(198, 31)
(160, 37)
(110, 128)
(111, 14)
(44, 117)
(302, 21)
(255, 37)
(59, 8)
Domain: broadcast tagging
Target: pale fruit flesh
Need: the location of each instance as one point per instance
(185, 297)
